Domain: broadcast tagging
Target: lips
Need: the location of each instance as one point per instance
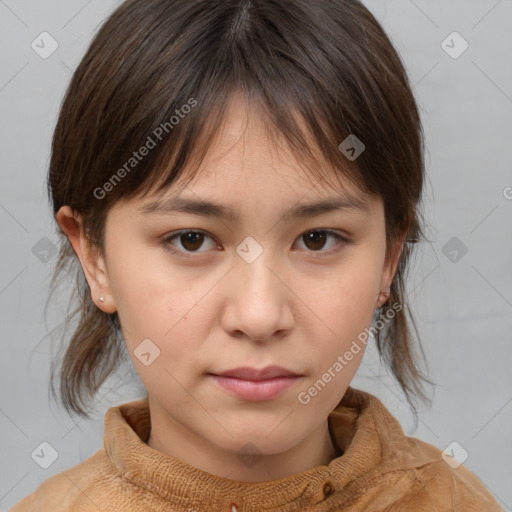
(248, 373)
(251, 384)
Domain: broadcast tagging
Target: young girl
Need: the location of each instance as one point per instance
(237, 184)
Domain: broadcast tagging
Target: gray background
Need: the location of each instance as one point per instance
(463, 307)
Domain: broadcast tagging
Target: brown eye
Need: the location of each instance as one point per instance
(317, 239)
(190, 242)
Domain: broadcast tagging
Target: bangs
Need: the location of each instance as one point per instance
(179, 159)
(292, 105)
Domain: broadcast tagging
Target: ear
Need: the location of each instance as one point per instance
(91, 259)
(389, 270)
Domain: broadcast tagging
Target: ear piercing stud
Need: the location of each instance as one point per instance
(102, 299)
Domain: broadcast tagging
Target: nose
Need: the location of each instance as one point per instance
(259, 302)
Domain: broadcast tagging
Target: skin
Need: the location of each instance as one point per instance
(214, 311)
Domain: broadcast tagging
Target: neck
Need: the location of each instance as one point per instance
(170, 437)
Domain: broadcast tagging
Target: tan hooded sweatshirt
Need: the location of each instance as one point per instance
(380, 469)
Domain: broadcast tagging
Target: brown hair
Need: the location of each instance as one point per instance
(323, 64)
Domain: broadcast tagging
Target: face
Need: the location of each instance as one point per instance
(200, 294)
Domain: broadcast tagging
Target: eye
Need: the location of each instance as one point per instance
(189, 240)
(316, 239)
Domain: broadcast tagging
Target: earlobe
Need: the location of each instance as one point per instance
(382, 298)
(389, 272)
(90, 258)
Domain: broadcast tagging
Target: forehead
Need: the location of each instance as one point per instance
(248, 170)
(248, 155)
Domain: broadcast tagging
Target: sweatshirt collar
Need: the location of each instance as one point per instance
(361, 428)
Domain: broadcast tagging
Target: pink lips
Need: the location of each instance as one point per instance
(256, 385)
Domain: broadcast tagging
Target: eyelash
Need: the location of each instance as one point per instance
(342, 241)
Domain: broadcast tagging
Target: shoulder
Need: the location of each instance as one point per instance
(74, 489)
(440, 483)
(411, 474)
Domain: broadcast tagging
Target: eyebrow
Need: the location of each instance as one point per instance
(210, 209)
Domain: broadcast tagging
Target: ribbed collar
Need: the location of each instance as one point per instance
(361, 428)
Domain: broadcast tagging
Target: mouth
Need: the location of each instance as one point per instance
(256, 385)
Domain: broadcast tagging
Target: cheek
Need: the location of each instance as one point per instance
(347, 302)
(344, 308)
(150, 296)
(167, 304)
